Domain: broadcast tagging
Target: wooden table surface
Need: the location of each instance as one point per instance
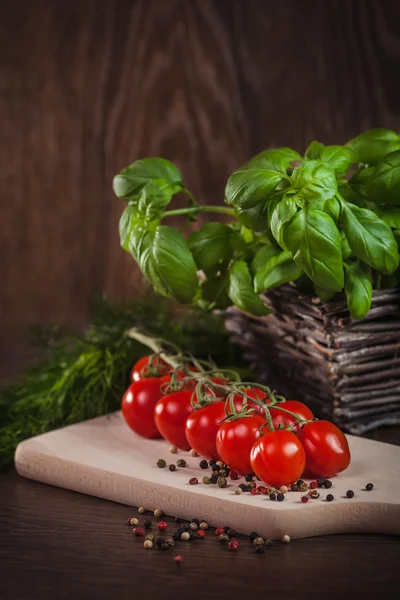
(60, 544)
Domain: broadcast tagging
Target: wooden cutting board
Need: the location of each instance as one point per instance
(103, 458)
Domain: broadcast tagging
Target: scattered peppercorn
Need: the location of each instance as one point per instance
(219, 531)
(148, 544)
(243, 487)
(223, 472)
(280, 497)
(369, 487)
(133, 521)
(176, 535)
(216, 468)
(226, 529)
(178, 559)
(173, 450)
(181, 462)
(206, 480)
(169, 542)
(185, 527)
(193, 526)
(150, 536)
(220, 463)
(304, 499)
(200, 534)
(238, 491)
(141, 510)
(313, 485)
(267, 542)
(223, 538)
(303, 487)
(251, 485)
(212, 462)
(203, 464)
(222, 482)
(272, 496)
(162, 526)
(233, 475)
(258, 541)
(320, 481)
(294, 487)
(350, 494)
(147, 524)
(185, 536)
(284, 489)
(299, 482)
(329, 497)
(159, 542)
(254, 492)
(233, 545)
(158, 513)
(314, 494)
(213, 478)
(203, 525)
(248, 477)
(138, 531)
(161, 463)
(327, 484)
(253, 535)
(193, 452)
(260, 549)
(172, 467)
(195, 521)
(286, 539)
(193, 481)
(231, 532)
(264, 490)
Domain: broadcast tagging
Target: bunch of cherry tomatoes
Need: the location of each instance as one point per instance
(244, 425)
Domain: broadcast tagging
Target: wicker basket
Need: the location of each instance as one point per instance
(346, 371)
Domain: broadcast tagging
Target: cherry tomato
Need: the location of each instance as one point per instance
(326, 447)
(253, 393)
(138, 404)
(281, 418)
(278, 458)
(235, 440)
(170, 414)
(202, 427)
(139, 369)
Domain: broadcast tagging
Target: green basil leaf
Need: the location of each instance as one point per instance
(129, 183)
(358, 289)
(165, 261)
(339, 157)
(370, 238)
(314, 150)
(373, 145)
(241, 291)
(315, 180)
(214, 292)
(263, 255)
(153, 199)
(323, 295)
(384, 183)
(211, 245)
(346, 250)
(258, 217)
(389, 214)
(283, 212)
(330, 206)
(127, 223)
(277, 271)
(314, 241)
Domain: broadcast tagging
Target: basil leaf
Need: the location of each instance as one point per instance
(389, 214)
(277, 271)
(370, 238)
(283, 212)
(373, 145)
(263, 255)
(323, 295)
(214, 292)
(384, 183)
(314, 150)
(241, 291)
(212, 245)
(165, 261)
(127, 223)
(258, 217)
(339, 157)
(330, 206)
(315, 180)
(346, 250)
(358, 289)
(314, 241)
(153, 199)
(133, 179)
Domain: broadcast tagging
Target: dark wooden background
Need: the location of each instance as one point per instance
(88, 86)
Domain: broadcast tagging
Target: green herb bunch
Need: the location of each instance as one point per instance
(328, 220)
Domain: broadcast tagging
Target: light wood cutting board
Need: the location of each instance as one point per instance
(103, 458)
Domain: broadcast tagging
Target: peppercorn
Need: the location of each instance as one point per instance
(313, 485)
(162, 526)
(203, 464)
(303, 487)
(267, 542)
(299, 482)
(185, 536)
(201, 534)
(231, 532)
(327, 484)
(220, 463)
(233, 545)
(178, 559)
(193, 452)
(350, 494)
(320, 481)
(223, 472)
(369, 487)
(193, 535)
(212, 462)
(176, 535)
(248, 477)
(158, 513)
(147, 524)
(181, 462)
(138, 531)
(294, 487)
(177, 519)
(195, 521)
(243, 487)
(223, 538)
(173, 450)
(161, 463)
(314, 494)
(304, 499)
(193, 481)
(253, 535)
(222, 482)
(193, 526)
(283, 489)
(280, 497)
(251, 485)
(238, 491)
(150, 536)
(203, 525)
(213, 478)
(286, 539)
(216, 468)
(185, 527)
(254, 492)
(263, 490)
(141, 510)
(258, 541)
(219, 531)
(206, 480)
(133, 522)
(169, 542)
(148, 544)
(271, 490)
(172, 467)
(260, 549)
(272, 496)
(159, 542)
(233, 475)
(329, 497)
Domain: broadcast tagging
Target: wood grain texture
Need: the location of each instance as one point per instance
(60, 544)
(87, 87)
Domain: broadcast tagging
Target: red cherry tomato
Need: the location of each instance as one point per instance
(235, 440)
(140, 368)
(326, 447)
(202, 427)
(253, 393)
(138, 404)
(278, 458)
(281, 418)
(170, 414)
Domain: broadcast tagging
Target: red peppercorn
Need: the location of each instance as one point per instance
(260, 489)
(233, 545)
(233, 475)
(193, 481)
(138, 531)
(309, 492)
(264, 490)
(219, 531)
(254, 492)
(201, 533)
(313, 485)
(178, 559)
(304, 499)
(162, 526)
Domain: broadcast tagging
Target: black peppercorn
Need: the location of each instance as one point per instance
(185, 527)
(176, 536)
(329, 497)
(248, 477)
(294, 487)
(172, 467)
(147, 524)
(203, 464)
(213, 478)
(193, 536)
(369, 487)
(260, 549)
(243, 487)
(299, 482)
(253, 535)
(216, 468)
(321, 481)
(212, 462)
(181, 462)
(280, 497)
(160, 542)
(349, 494)
(327, 484)
(223, 472)
(196, 521)
(226, 528)
(231, 532)
(272, 496)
